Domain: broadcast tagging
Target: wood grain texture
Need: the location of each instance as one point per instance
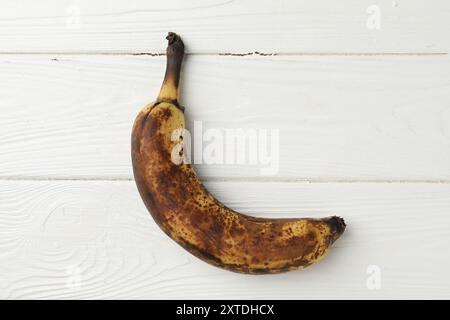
(339, 118)
(345, 111)
(224, 26)
(69, 239)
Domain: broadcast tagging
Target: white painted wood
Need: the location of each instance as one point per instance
(339, 118)
(55, 232)
(67, 112)
(225, 26)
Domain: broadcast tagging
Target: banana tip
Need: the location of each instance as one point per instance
(175, 42)
(337, 226)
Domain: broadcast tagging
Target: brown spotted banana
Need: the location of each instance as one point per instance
(190, 215)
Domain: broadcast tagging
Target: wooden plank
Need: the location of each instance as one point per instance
(79, 239)
(225, 26)
(338, 118)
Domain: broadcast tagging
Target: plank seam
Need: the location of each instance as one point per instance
(232, 54)
(241, 179)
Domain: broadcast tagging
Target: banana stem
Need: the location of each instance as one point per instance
(175, 53)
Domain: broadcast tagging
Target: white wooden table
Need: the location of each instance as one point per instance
(360, 94)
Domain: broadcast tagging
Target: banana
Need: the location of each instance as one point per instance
(190, 215)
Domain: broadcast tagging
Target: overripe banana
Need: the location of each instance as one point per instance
(191, 216)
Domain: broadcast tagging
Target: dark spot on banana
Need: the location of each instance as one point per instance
(310, 236)
(165, 114)
(255, 260)
(216, 228)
